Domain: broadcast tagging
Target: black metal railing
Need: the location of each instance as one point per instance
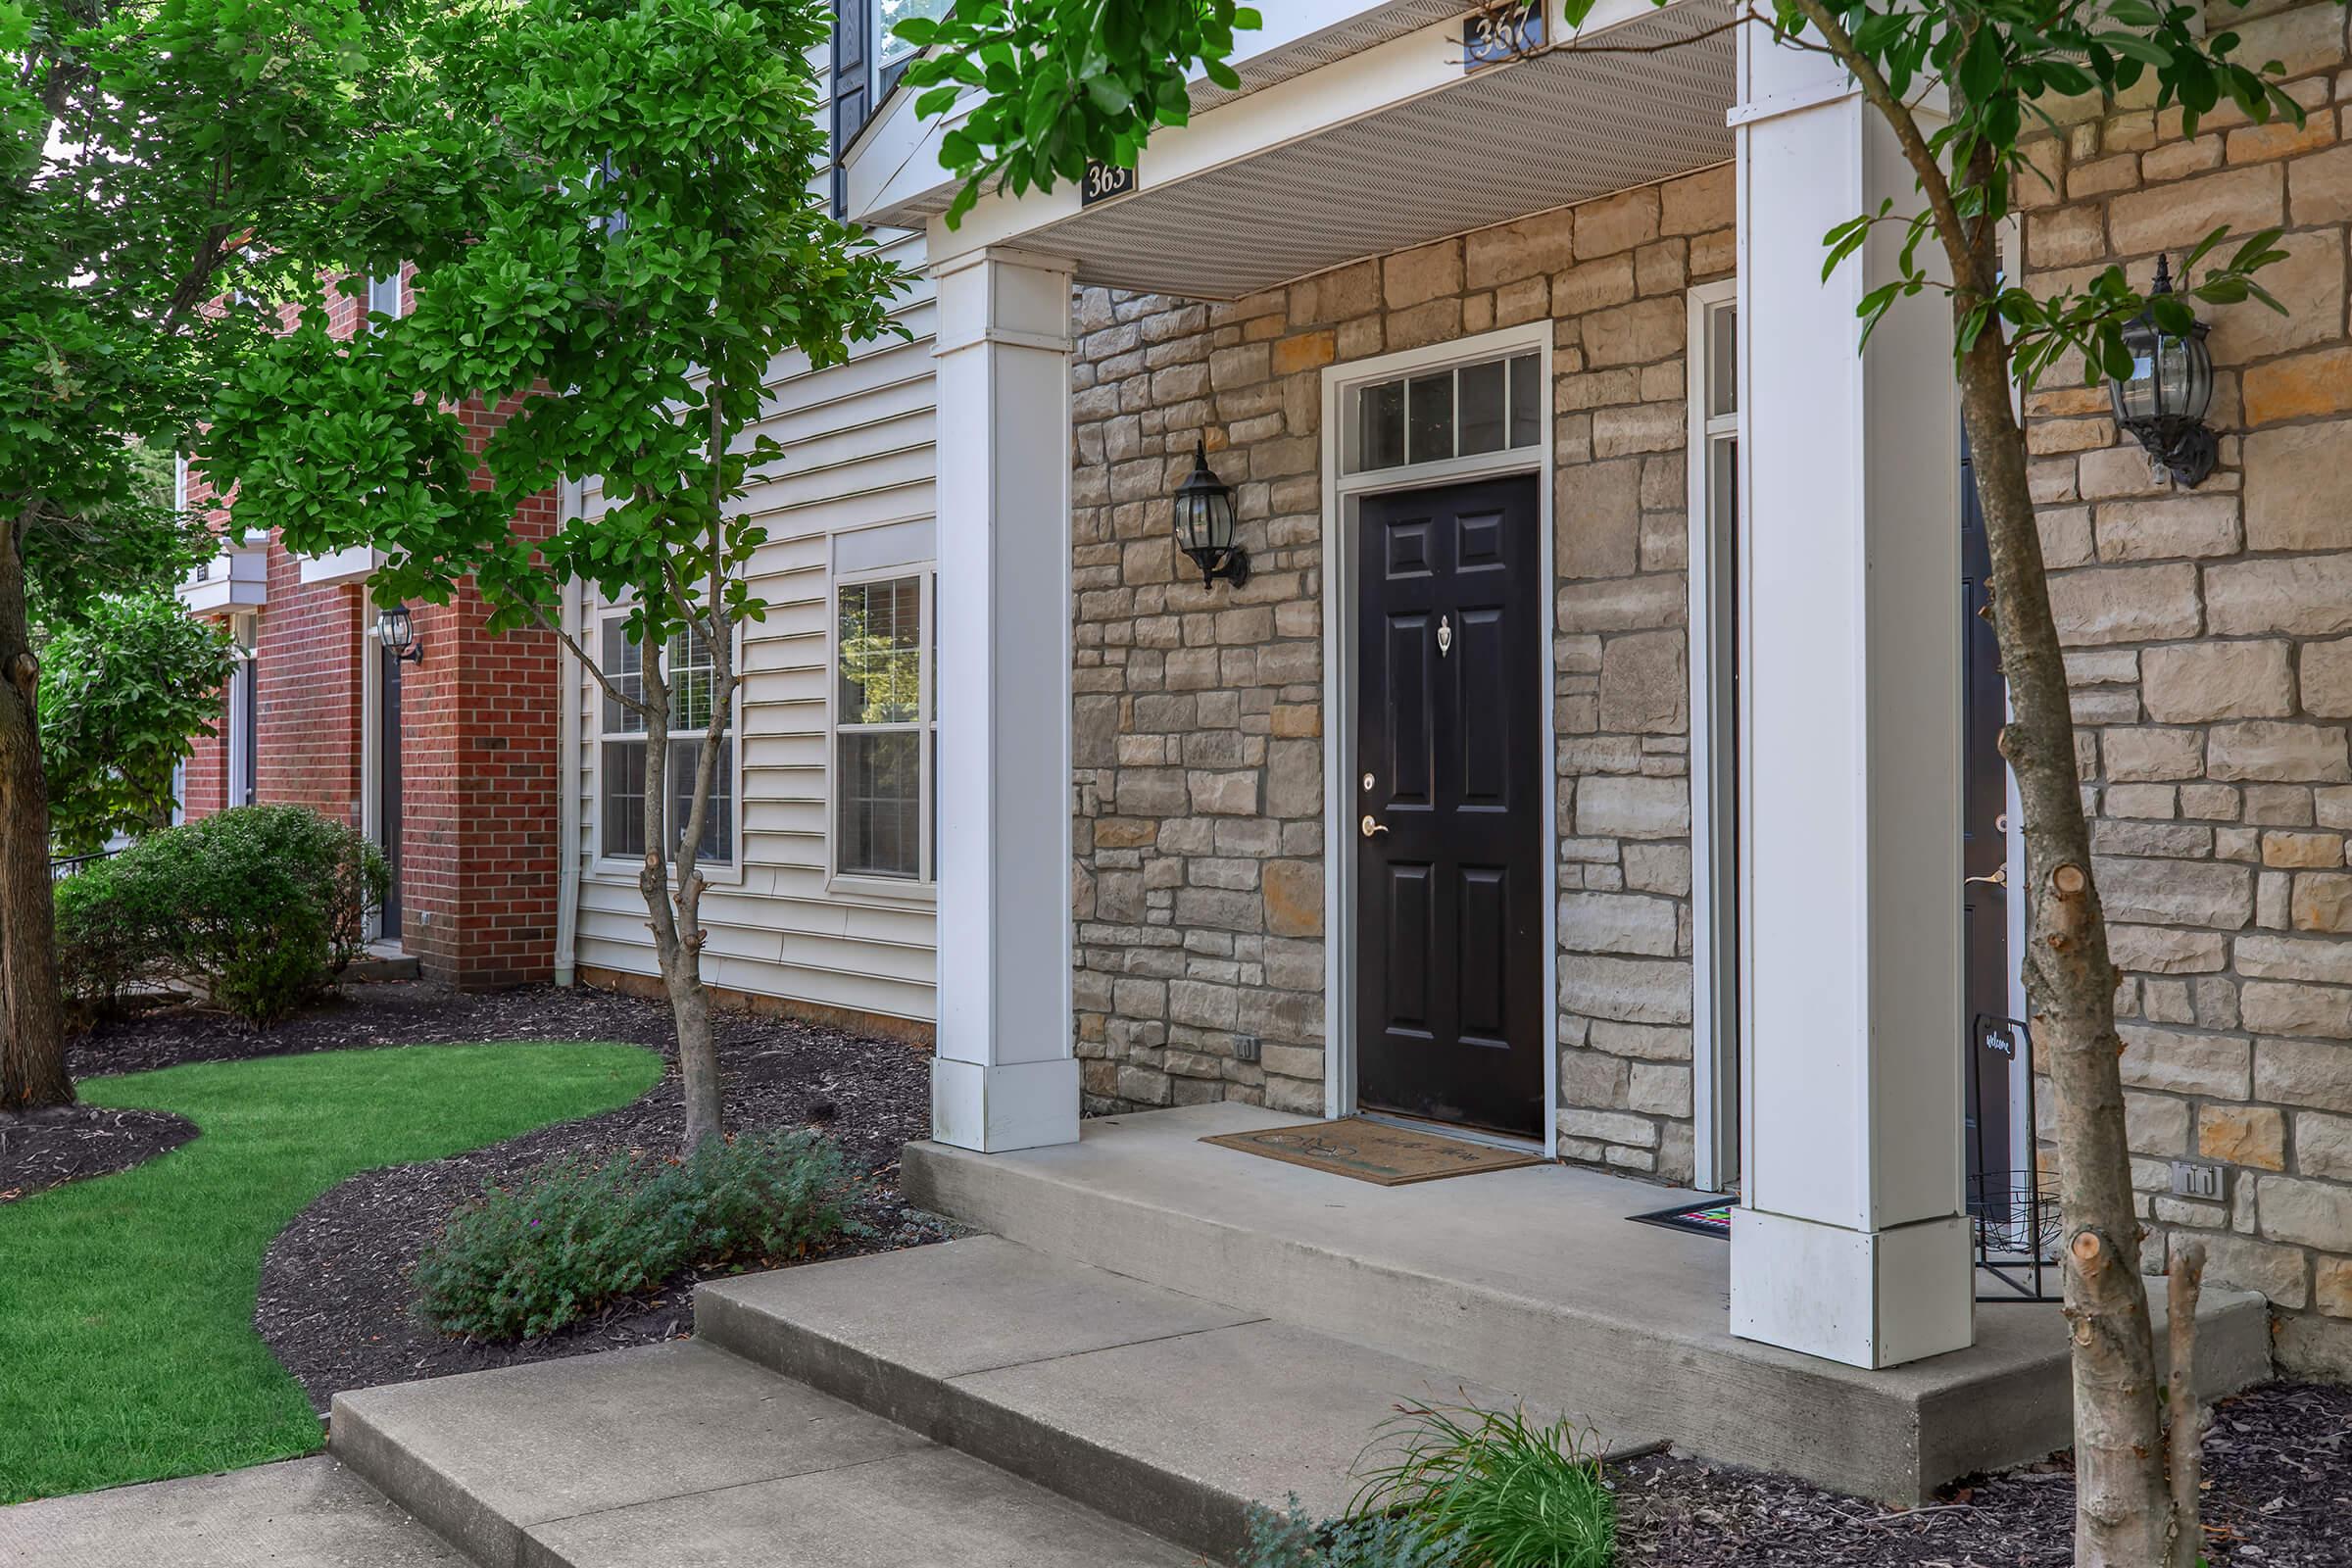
(2014, 1212)
(62, 866)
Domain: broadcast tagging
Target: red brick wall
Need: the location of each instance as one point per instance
(478, 751)
(308, 675)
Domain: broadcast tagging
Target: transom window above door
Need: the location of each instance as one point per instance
(1455, 411)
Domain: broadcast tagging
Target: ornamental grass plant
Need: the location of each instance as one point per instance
(1499, 1489)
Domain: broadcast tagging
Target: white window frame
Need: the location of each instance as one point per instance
(1716, 1022)
(1342, 491)
(241, 773)
(923, 887)
(882, 47)
(376, 306)
(603, 868)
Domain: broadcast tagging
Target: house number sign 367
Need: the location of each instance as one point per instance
(1104, 180)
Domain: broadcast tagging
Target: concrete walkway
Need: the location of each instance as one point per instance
(304, 1513)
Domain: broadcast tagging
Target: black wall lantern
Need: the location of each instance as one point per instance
(2163, 401)
(397, 631)
(1205, 523)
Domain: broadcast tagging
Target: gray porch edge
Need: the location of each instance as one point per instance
(1532, 1281)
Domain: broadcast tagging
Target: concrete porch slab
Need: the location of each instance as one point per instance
(1532, 1281)
(1153, 1405)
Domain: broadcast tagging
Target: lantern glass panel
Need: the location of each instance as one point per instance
(1217, 519)
(1191, 525)
(2188, 373)
(2134, 396)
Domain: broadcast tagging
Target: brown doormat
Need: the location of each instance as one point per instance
(1375, 1151)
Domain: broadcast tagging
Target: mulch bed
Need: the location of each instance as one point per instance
(52, 1147)
(334, 1305)
(2278, 1462)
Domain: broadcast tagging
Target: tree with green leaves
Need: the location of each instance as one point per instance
(125, 688)
(153, 154)
(608, 206)
(1056, 83)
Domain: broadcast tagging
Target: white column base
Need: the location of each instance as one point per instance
(1015, 1104)
(1868, 1298)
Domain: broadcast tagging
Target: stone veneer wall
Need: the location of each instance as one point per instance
(2213, 676)
(1199, 713)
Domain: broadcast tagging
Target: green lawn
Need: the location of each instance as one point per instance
(126, 1341)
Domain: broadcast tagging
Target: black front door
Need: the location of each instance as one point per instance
(1984, 861)
(1449, 816)
(387, 801)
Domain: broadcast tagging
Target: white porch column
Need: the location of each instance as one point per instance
(1852, 1240)
(1004, 1077)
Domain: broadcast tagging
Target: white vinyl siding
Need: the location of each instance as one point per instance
(858, 466)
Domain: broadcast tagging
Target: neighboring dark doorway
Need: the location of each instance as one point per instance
(387, 776)
(1984, 863)
(1448, 806)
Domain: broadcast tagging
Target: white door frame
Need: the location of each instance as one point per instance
(1715, 1031)
(371, 744)
(1341, 493)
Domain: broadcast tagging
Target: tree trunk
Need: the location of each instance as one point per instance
(2185, 1429)
(32, 1054)
(2122, 1512)
(675, 919)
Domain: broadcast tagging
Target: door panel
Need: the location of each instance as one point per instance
(1449, 960)
(1408, 759)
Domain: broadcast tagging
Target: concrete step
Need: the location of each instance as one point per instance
(373, 967)
(681, 1455)
(1167, 1410)
(1531, 1281)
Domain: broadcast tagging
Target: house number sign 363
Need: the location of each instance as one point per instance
(1104, 180)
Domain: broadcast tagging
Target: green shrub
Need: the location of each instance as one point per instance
(1291, 1539)
(259, 906)
(1505, 1491)
(521, 1261)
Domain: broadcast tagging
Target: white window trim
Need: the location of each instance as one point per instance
(924, 887)
(1715, 1023)
(1341, 493)
(882, 48)
(603, 868)
(241, 731)
(398, 297)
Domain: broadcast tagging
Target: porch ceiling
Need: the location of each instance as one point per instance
(1546, 132)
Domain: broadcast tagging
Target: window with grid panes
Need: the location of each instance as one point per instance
(884, 729)
(693, 681)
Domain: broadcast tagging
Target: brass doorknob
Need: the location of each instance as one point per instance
(1999, 879)
(1371, 827)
